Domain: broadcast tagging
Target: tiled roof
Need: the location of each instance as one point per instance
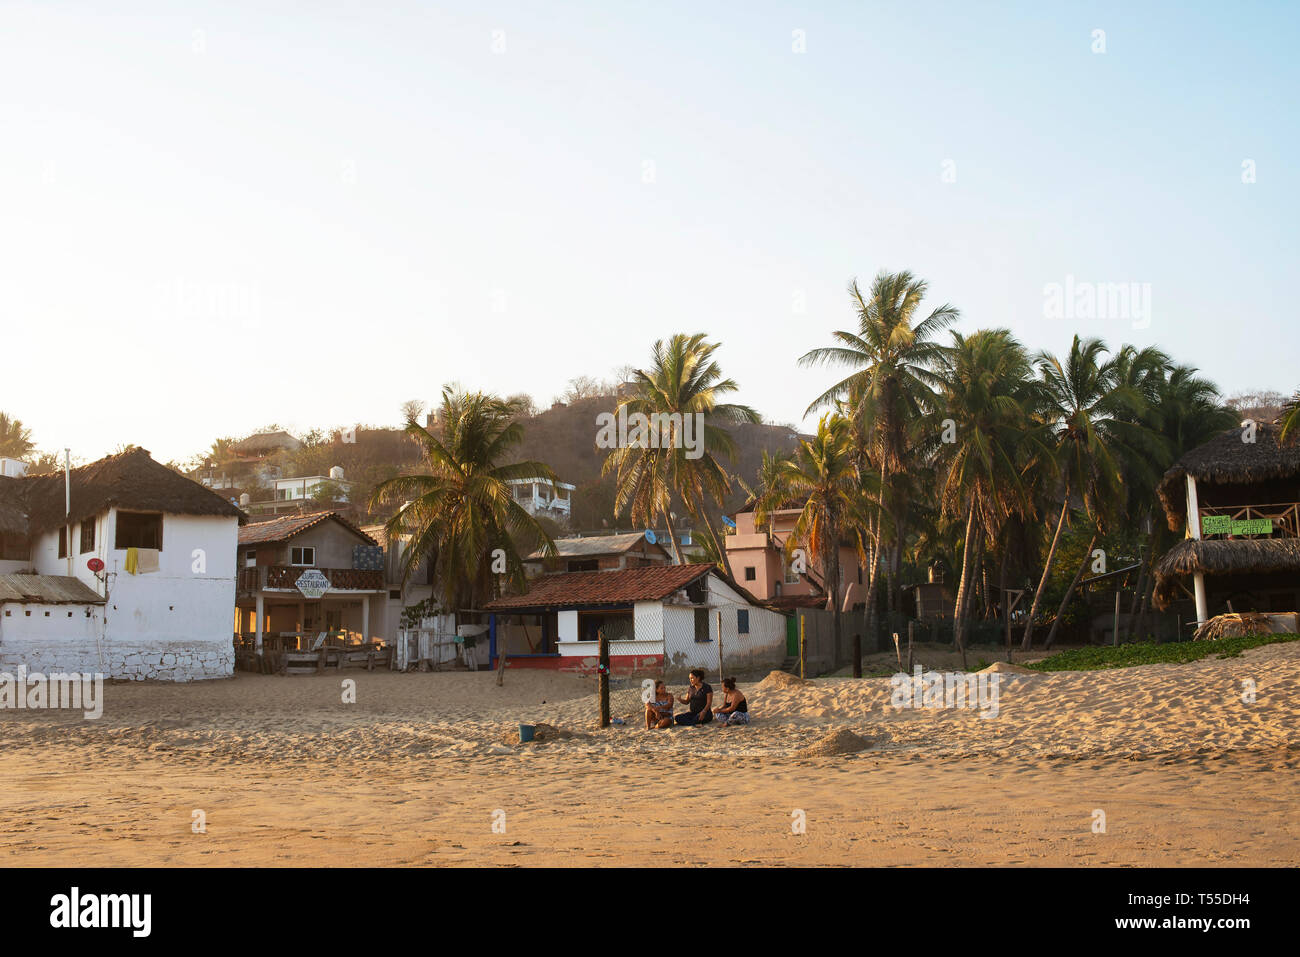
(594, 545)
(285, 527)
(47, 590)
(648, 583)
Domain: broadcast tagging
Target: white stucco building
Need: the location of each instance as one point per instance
(165, 549)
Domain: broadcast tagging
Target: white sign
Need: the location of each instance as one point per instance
(313, 583)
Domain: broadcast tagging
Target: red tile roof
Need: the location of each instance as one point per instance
(284, 527)
(649, 583)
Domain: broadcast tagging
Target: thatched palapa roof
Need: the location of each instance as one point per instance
(1223, 557)
(1224, 460)
(130, 480)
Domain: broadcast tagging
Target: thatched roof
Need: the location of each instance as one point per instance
(1225, 460)
(130, 480)
(1223, 557)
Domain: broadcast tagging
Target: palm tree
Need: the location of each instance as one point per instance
(1290, 418)
(889, 357)
(459, 512)
(822, 475)
(1090, 417)
(683, 380)
(986, 401)
(15, 440)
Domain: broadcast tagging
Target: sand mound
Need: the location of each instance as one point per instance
(543, 732)
(835, 742)
(781, 679)
(1006, 668)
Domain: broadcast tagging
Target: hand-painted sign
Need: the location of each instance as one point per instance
(1226, 525)
(313, 583)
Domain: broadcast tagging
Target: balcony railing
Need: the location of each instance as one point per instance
(285, 577)
(1251, 521)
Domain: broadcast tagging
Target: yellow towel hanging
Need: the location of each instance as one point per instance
(132, 560)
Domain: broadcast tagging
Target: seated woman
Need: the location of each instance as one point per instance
(735, 707)
(699, 698)
(659, 709)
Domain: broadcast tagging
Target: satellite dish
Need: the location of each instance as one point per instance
(650, 536)
(95, 565)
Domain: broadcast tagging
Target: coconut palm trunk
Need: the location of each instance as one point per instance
(1027, 641)
(964, 586)
(1069, 592)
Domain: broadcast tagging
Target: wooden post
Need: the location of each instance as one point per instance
(603, 682)
(857, 654)
(910, 657)
(803, 645)
(898, 651)
(1115, 636)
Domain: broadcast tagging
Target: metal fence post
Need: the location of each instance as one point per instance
(603, 680)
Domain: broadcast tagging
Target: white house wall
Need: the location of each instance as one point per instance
(51, 638)
(171, 625)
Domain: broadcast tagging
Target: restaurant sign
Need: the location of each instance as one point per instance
(313, 583)
(1226, 525)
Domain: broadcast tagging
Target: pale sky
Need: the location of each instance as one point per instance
(215, 216)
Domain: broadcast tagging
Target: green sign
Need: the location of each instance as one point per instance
(1224, 525)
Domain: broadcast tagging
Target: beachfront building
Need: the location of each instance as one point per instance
(1237, 500)
(543, 498)
(762, 565)
(659, 618)
(603, 553)
(136, 580)
(303, 574)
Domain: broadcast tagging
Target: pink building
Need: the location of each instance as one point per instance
(760, 564)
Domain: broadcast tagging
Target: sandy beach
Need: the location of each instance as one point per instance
(420, 769)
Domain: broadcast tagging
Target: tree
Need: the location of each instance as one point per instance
(15, 440)
(889, 355)
(1290, 418)
(682, 387)
(822, 475)
(459, 511)
(1085, 411)
(982, 432)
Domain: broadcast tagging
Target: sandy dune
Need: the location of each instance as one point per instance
(286, 773)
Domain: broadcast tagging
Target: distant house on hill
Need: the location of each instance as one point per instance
(599, 553)
(160, 605)
(263, 444)
(541, 497)
(1238, 503)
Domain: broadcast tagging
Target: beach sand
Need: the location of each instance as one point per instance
(420, 769)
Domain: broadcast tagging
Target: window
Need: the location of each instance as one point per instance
(751, 573)
(702, 624)
(742, 621)
(791, 576)
(584, 565)
(13, 547)
(88, 536)
(250, 558)
(139, 530)
(63, 543)
(302, 556)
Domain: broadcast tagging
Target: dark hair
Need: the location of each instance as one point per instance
(729, 684)
(698, 672)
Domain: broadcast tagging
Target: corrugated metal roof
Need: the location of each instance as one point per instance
(286, 526)
(596, 545)
(47, 590)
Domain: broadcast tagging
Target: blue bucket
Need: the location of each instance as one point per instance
(526, 732)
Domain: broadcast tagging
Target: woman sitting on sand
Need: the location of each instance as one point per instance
(659, 709)
(699, 697)
(735, 707)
